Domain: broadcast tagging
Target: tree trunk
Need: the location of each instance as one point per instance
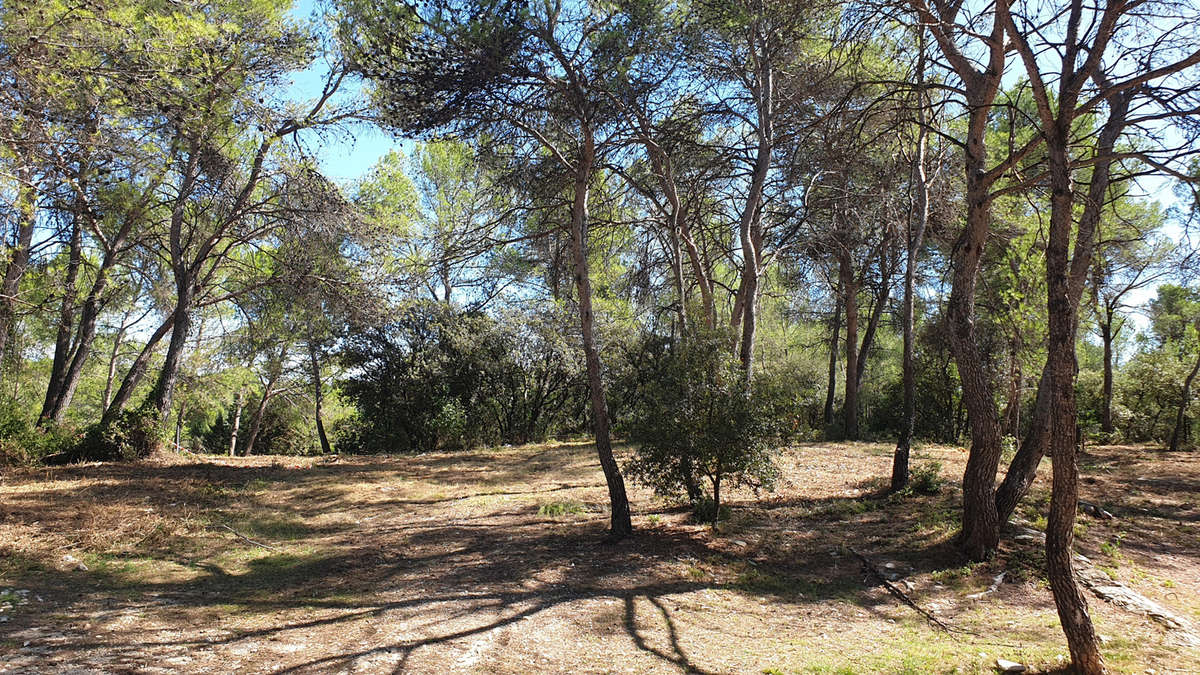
(850, 301)
(1183, 405)
(136, 370)
(1062, 366)
(164, 387)
(621, 524)
(256, 420)
(26, 208)
(981, 524)
(914, 240)
(1106, 335)
(318, 398)
(112, 361)
(831, 389)
(237, 421)
(66, 324)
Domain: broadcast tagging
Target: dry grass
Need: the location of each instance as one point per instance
(491, 561)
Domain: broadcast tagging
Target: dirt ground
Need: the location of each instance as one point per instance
(492, 561)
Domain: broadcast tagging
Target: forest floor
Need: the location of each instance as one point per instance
(492, 561)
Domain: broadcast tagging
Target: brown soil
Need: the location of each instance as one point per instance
(492, 561)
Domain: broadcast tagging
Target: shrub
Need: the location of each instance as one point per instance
(696, 421)
(22, 444)
(926, 479)
(133, 435)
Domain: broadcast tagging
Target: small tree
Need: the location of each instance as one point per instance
(697, 421)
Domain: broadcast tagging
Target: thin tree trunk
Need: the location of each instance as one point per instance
(914, 240)
(26, 208)
(237, 421)
(136, 371)
(256, 420)
(1183, 405)
(850, 300)
(621, 525)
(1106, 335)
(831, 389)
(318, 398)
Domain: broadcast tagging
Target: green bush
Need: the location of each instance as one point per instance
(22, 444)
(697, 422)
(926, 479)
(133, 435)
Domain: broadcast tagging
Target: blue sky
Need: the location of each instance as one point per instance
(347, 156)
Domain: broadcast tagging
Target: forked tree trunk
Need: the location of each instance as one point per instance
(981, 524)
(621, 524)
(136, 371)
(66, 324)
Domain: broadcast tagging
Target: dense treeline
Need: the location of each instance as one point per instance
(709, 228)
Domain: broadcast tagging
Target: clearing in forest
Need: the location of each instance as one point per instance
(491, 561)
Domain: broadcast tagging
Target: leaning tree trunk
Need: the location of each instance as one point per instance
(66, 325)
(1023, 468)
(136, 371)
(18, 262)
(621, 524)
(318, 399)
(168, 375)
(1181, 413)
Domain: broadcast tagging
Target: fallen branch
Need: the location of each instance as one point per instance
(901, 595)
(243, 537)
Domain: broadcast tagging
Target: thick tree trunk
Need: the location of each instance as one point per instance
(66, 325)
(18, 262)
(981, 524)
(850, 301)
(136, 371)
(831, 388)
(621, 524)
(1061, 366)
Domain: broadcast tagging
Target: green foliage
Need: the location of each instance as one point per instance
(560, 508)
(442, 377)
(22, 444)
(925, 479)
(133, 435)
(696, 420)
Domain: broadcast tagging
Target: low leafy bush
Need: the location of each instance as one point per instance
(697, 421)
